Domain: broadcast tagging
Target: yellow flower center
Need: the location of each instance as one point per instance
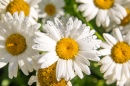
(50, 9)
(104, 4)
(47, 77)
(120, 52)
(17, 6)
(67, 48)
(126, 20)
(16, 44)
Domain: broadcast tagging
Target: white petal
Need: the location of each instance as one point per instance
(84, 68)
(43, 38)
(15, 16)
(110, 69)
(107, 21)
(105, 60)
(5, 59)
(102, 14)
(32, 80)
(21, 15)
(88, 11)
(127, 83)
(105, 45)
(69, 27)
(119, 15)
(127, 38)
(85, 1)
(110, 81)
(126, 70)
(64, 67)
(105, 67)
(78, 70)
(104, 52)
(31, 20)
(87, 46)
(53, 31)
(35, 27)
(83, 7)
(28, 63)
(82, 59)
(70, 69)
(9, 16)
(69, 83)
(77, 24)
(34, 2)
(33, 13)
(110, 39)
(117, 34)
(13, 67)
(118, 70)
(92, 15)
(89, 55)
(121, 9)
(59, 25)
(81, 32)
(44, 47)
(67, 75)
(22, 66)
(48, 59)
(60, 69)
(76, 27)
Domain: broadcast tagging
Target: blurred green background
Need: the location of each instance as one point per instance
(95, 79)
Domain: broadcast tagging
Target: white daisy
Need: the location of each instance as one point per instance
(48, 9)
(47, 77)
(27, 6)
(71, 46)
(103, 10)
(116, 52)
(16, 36)
(125, 22)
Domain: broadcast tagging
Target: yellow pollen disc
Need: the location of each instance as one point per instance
(126, 20)
(67, 48)
(50, 9)
(47, 77)
(17, 6)
(120, 52)
(104, 4)
(16, 44)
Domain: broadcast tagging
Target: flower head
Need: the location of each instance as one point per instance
(48, 9)
(27, 6)
(125, 22)
(71, 46)
(16, 43)
(104, 11)
(116, 52)
(47, 77)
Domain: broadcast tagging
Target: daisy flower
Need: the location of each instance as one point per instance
(48, 9)
(47, 77)
(16, 36)
(71, 46)
(27, 6)
(125, 22)
(116, 60)
(103, 10)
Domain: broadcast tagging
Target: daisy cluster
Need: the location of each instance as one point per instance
(59, 40)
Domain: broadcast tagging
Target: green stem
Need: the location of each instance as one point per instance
(83, 20)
